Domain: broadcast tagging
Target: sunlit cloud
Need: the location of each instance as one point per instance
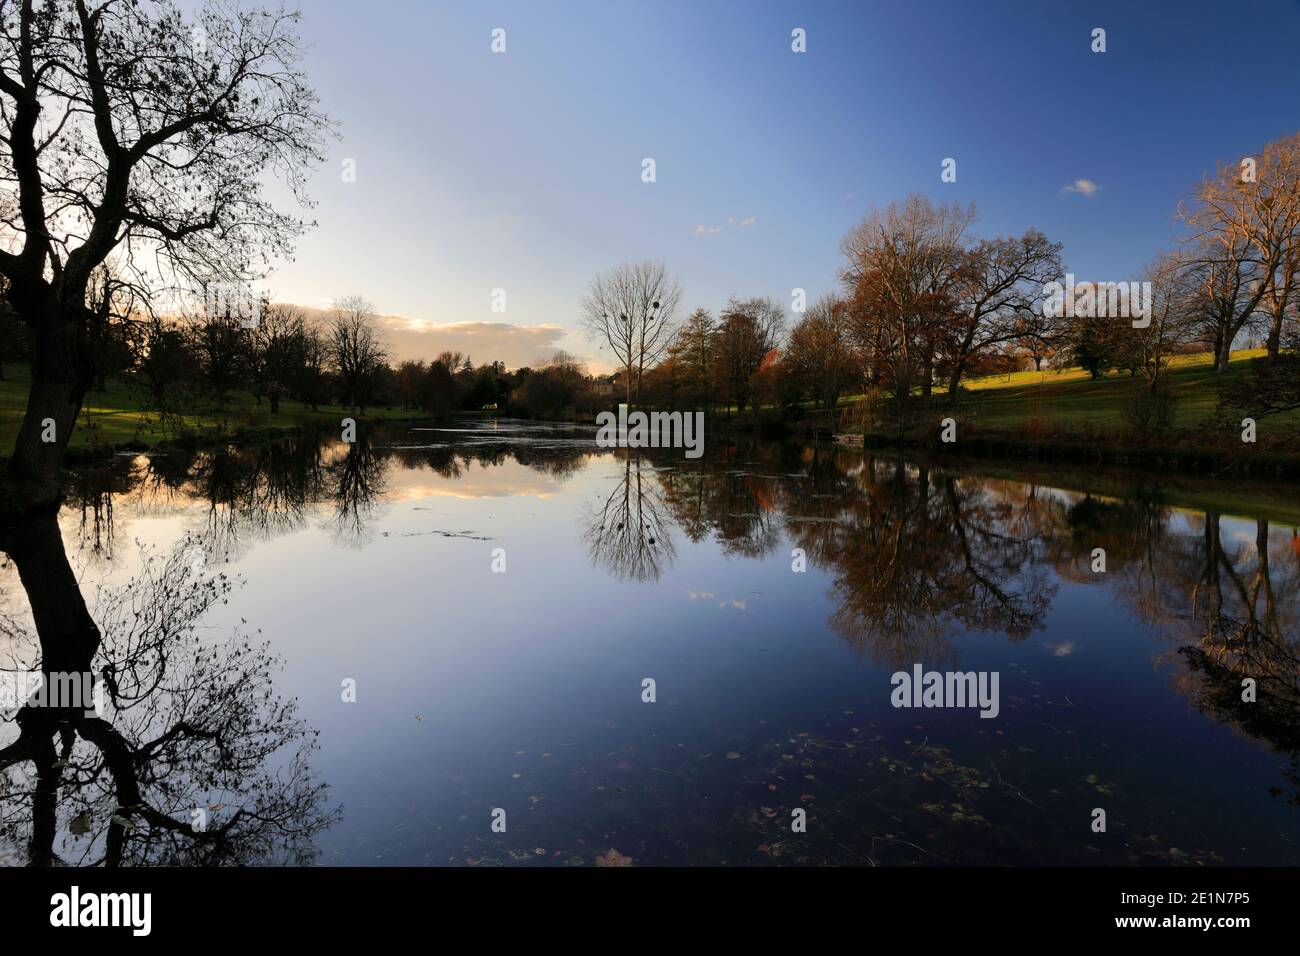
(408, 337)
(1084, 187)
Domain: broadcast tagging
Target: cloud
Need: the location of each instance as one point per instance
(406, 337)
(1085, 187)
(703, 230)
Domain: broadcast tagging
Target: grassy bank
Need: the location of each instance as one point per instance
(115, 417)
(1068, 416)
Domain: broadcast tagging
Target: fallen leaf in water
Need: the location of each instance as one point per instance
(613, 858)
(80, 824)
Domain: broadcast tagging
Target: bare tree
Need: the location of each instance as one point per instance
(1172, 328)
(275, 348)
(998, 299)
(216, 338)
(121, 132)
(1243, 230)
(355, 350)
(630, 308)
(901, 278)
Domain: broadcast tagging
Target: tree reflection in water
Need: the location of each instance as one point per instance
(914, 557)
(194, 759)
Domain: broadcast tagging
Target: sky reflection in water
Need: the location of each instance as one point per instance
(522, 690)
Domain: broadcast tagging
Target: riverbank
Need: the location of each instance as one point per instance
(1071, 418)
(115, 418)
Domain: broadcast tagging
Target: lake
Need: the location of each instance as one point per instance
(438, 646)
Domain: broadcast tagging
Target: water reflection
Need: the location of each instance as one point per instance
(629, 534)
(917, 560)
(173, 768)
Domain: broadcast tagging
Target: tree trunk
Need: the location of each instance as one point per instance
(67, 633)
(1274, 337)
(954, 379)
(59, 383)
(1224, 354)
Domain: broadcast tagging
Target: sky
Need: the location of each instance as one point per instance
(522, 170)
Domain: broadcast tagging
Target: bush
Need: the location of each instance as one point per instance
(1149, 413)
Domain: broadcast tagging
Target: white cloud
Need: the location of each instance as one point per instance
(1085, 187)
(703, 230)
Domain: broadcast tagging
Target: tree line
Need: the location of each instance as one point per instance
(923, 305)
(136, 161)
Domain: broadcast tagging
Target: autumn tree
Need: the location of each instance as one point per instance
(998, 300)
(903, 266)
(820, 354)
(693, 351)
(747, 331)
(1243, 227)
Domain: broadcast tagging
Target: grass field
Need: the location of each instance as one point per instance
(114, 416)
(1069, 400)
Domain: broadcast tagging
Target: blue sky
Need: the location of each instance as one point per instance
(522, 170)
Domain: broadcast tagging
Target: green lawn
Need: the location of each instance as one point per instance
(1069, 398)
(114, 417)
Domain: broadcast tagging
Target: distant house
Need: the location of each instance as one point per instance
(602, 386)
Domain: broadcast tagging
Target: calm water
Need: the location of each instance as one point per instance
(374, 571)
